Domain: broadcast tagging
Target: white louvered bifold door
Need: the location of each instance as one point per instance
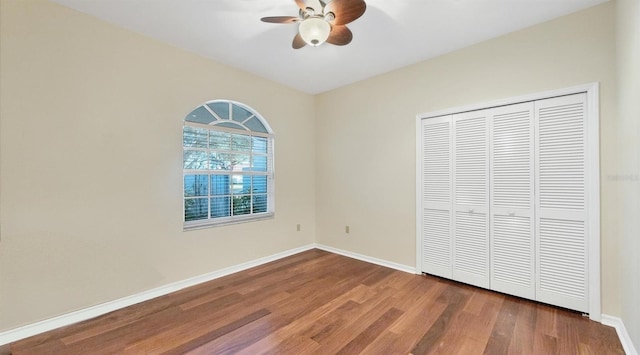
(437, 196)
(471, 197)
(512, 173)
(561, 260)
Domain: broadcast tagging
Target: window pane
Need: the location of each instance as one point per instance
(259, 163)
(221, 161)
(200, 115)
(221, 109)
(241, 142)
(220, 185)
(259, 185)
(220, 207)
(241, 205)
(240, 114)
(259, 203)
(195, 159)
(241, 184)
(231, 124)
(196, 185)
(259, 145)
(226, 161)
(255, 125)
(241, 162)
(220, 140)
(196, 208)
(194, 137)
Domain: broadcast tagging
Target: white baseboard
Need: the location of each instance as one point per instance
(625, 339)
(26, 331)
(368, 259)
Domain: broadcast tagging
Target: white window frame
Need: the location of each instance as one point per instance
(214, 126)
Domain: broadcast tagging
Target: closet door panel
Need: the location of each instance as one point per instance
(505, 199)
(437, 196)
(471, 251)
(562, 261)
(560, 218)
(512, 173)
(471, 197)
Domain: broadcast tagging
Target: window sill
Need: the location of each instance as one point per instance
(188, 226)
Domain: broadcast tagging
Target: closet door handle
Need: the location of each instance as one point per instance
(470, 210)
(512, 213)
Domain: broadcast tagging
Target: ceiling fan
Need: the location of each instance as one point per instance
(327, 25)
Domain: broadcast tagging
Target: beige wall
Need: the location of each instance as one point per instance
(91, 121)
(628, 171)
(366, 131)
(90, 149)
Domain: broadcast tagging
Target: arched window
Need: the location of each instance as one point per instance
(227, 165)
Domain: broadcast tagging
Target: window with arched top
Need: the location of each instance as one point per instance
(227, 165)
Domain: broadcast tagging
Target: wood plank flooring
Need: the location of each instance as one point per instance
(316, 302)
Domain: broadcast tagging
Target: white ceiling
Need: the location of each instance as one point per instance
(390, 35)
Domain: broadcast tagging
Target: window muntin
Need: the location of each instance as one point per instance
(227, 165)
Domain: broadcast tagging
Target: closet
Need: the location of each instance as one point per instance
(504, 199)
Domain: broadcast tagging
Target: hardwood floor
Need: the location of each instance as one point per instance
(316, 302)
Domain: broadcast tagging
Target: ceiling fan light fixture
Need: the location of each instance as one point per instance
(324, 24)
(314, 30)
(330, 16)
(309, 11)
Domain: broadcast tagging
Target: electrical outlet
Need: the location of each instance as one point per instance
(298, 227)
(346, 229)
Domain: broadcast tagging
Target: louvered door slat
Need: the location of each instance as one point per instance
(471, 249)
(471, 196)
(437, 196)
(436, 249)
(511, 166)
(560, 217)
(436, 162)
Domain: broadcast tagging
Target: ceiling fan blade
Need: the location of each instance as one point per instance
(298, 42)
(345, 11)
(301, 4)
(340, 35)
(280, 19)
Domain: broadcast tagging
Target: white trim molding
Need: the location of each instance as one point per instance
(26, 331)
(625, 338)
(46, 325)
(592, 171)
(369, 259)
